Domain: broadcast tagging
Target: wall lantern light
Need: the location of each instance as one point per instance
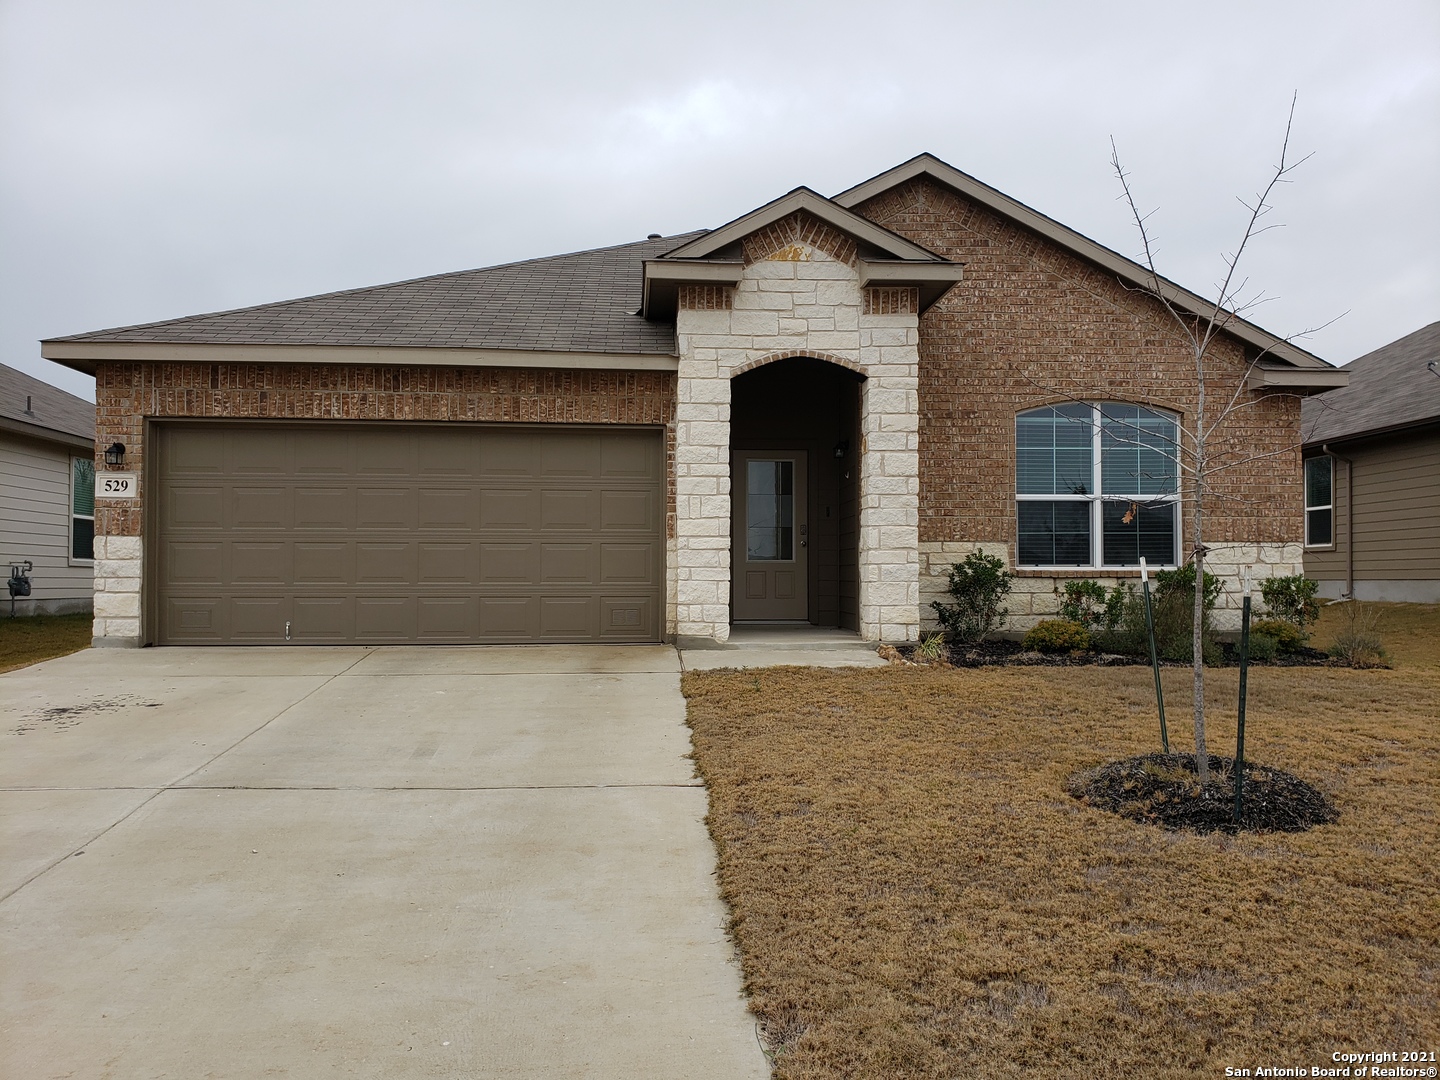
(115, 454)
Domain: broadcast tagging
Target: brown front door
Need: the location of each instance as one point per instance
(388, 533)
(770, 537)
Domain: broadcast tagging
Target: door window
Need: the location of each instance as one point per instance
(769, 511)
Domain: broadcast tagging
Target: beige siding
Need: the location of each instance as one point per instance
(35, 523)
(1397, 514)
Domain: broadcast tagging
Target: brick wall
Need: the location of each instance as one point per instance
(127, 394)
(1032, 324)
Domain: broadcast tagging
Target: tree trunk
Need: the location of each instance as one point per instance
(1202, 755)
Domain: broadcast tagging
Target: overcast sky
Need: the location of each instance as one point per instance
(160, 159)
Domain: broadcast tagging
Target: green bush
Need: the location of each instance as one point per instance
(1263, 647)
(1057, 636)
(1292, 599)
(1173, 599)
(1287, 636)
(1092, 605)
(978, 586)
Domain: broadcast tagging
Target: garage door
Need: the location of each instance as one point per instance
(391, 533)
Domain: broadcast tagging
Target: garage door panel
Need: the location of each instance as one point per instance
(509, 510)
(322, 618)
(385, 618)
(509, 564)
(628, 511)
(331, 506)
(567, 564)
(447, 618)
(191, 509)
(195, 563)
(628, 564)
(445, 510)
(259, 508)
(388, 508)
(266, 562)
(394, 532)
(389, 562)
(568, 511)
(441, 563)
(565, 618)
(323, 563)
(257, 618)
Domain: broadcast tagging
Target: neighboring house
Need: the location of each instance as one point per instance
(47, 494)
(802, 416)
(1372, 476)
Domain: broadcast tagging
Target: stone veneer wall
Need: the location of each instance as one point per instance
(1032, 324)
(127, 394)
(799, 296)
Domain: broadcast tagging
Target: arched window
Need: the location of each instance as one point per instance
(1097, 485)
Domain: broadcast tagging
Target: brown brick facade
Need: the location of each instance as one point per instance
(127, 394)
(1032, 324)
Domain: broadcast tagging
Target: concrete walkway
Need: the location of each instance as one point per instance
(437, 862)
(784, 645)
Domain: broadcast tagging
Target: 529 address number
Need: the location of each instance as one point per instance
(115, 486)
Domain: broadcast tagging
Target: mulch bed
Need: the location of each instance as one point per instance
(1162, 789)
(999, 652)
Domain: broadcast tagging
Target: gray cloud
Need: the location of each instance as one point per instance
(162, 159)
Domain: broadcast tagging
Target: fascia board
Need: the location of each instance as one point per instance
(84, 355)
(874, 273)
(1316, 381)
(46, 434)
(812, 202)
(1083, 246)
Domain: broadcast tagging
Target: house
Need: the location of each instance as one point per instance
(1372, 476)
(47, 494)
(804, 415)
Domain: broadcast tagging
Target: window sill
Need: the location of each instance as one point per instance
(1084, 571)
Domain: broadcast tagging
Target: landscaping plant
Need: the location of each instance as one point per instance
(1358, 643)
(979, 586)
(1093, 606)
(1057, 636)
(1287, 636)
(1292, 599)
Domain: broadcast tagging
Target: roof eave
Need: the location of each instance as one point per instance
(1298, 380)
(46, 434)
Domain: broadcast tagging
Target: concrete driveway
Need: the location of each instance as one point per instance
(438, 862)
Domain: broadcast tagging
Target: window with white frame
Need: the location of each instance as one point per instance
(1319, 501)
(82, 509)
(1097, 485)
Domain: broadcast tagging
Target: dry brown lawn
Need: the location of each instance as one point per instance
(913, 894)
(33, 638)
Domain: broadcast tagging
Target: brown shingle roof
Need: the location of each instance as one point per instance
(51, 408)
(1389, 388)
(582, 302)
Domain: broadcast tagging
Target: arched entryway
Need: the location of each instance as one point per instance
(795, 494)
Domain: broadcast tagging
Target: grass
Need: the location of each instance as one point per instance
(28, 640)
(913, 894)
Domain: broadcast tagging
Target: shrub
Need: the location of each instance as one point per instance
(931, 648)
(1288, 637)
(1292, 599)
(1358, 644)
(1173, 598)
(1092, 605)
(1263, 647)
(978, 586)
(1056, 636)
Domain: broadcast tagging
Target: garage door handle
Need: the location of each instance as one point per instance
(287, 629)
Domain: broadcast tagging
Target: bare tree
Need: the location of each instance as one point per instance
(1195, 457)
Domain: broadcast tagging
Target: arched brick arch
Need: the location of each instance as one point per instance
(793, 354)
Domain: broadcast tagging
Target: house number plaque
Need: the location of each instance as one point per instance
(117, 485)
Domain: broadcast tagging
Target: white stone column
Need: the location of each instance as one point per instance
(117, 591)
(702, 495)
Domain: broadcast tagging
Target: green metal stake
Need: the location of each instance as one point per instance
(1244, 679)
(1154, 656)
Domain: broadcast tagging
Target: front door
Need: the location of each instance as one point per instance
(769, 537)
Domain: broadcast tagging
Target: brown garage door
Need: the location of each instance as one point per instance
(386, 533)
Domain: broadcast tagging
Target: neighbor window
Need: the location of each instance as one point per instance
(1097, 485)
(1319, 501)
(82, 509)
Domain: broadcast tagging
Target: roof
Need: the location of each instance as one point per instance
(1389, 389)
(50, 410)
(581, 302)
(1127, 269)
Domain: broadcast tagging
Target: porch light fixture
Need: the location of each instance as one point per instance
(841, 449)
(115, 454)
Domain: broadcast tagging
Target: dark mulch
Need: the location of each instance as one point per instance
(1000, 652)
(1162, 789)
